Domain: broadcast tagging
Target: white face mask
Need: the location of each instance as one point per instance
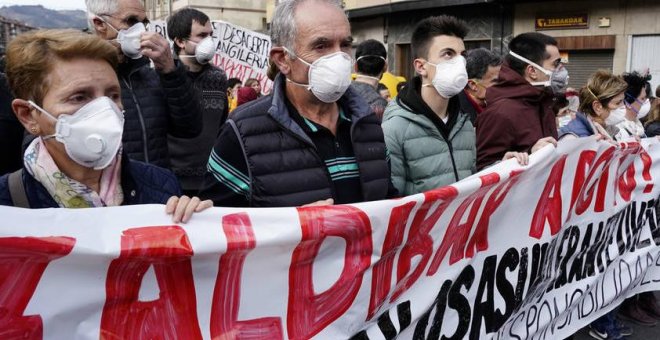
(557, 79)
(564, 120)
(91, 135)
(616, 116)
(204, 50)
(450, 76)
(329, 76)
(644, 109)
(129, 39)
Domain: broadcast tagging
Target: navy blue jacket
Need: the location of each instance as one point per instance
(653, 129)
(142, 184)
(579, 127)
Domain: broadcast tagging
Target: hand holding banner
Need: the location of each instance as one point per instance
(509, 252)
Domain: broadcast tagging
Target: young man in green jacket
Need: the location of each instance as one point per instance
(431, 141)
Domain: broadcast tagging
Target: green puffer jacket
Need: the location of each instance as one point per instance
(420, 156)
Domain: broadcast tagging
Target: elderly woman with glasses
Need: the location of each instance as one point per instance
(68, 96)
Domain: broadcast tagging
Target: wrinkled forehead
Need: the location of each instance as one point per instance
(130, 8)
(315, 20)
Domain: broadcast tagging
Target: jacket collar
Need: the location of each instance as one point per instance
(132, 64)
(410, 98)
(514, 86)
(350, 102)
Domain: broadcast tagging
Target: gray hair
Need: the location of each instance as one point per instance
(97, 7)
(283, 26)
(478, 61)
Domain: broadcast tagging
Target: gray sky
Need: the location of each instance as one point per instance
(52, 4)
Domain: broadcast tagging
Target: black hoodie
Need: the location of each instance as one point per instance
(410, 97)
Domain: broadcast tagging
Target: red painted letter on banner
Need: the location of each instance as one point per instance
(174, 314)
(309, 312)
(381, 279)
(549, 206)
(22, 262)
(227, 293)
(419, 241)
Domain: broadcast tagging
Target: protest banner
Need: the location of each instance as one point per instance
(242, 53)
(528, 253)
(160, 27)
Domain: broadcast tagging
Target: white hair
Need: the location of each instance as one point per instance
(283, 26)
(98, 7)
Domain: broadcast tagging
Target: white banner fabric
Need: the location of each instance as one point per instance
(531, 252)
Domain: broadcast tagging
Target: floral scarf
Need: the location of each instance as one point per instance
(67, 192)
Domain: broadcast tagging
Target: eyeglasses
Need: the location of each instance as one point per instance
(130, 20)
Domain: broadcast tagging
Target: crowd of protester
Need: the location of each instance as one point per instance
(117, 117)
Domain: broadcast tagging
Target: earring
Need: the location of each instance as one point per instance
(34, 130)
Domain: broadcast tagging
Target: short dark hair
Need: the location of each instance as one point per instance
(231, 82)
(478, 60)
(636, 84)
(530, 45)
(381, 87)
(368, 57)
(400, 85)
(180, 23)
(432, 27)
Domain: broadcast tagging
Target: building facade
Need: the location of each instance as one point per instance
(619, 35)
(9, 29)
(392, 22)
(250, 14)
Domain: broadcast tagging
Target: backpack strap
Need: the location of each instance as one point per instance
(17, 189)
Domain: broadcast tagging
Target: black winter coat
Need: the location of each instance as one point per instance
(11, 132)
(156, 105)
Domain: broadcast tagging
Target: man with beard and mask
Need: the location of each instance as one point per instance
(483, 69)
(157, 101)
(313, 140)
(431, 141)
(191, 33)
(519, 115)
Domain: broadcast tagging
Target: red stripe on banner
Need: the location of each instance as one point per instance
(227, 293)
(23, 261)
(381, 279)
(174, 314)
(549, 206)
(309, 312)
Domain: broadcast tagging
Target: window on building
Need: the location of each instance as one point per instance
(403, 62)
(472, 44)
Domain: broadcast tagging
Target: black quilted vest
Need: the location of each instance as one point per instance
(283, 165)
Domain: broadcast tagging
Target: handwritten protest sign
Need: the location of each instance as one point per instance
(535, 252)
(242, 53)
(160, 27)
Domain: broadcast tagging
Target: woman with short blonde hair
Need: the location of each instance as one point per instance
(602, 95)
(68, 96)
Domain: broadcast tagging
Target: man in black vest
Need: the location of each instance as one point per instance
(313, 140)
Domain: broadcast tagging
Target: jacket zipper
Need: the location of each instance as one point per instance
(316, 153)
(129, 84)
(448, 140)
(451, 146)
